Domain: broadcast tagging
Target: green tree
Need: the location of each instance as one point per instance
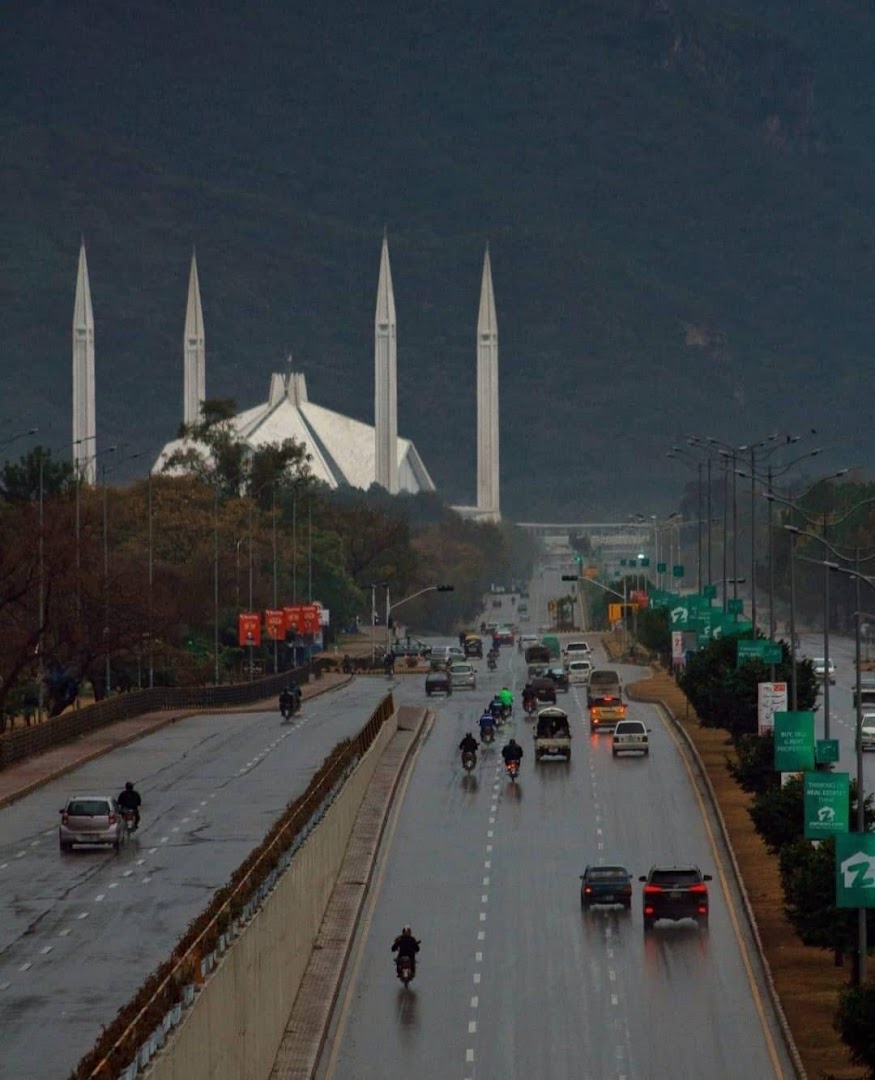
(754, 767)
(20, 480)
(778, 814)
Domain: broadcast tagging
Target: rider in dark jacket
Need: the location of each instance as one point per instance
(130, 799)
(512, 752)
(469, 744)
(406, 945)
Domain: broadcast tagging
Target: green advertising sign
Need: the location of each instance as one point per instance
(827, 804)
(826, 751)
(855, 870)
(660, 567)
(735, 605)
(709, 592)
(677, 571)
(794, 741)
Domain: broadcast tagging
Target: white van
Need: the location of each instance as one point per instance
(579, 672)
(577, 650)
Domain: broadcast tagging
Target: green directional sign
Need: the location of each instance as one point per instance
(677, 570)
(660, 568)
(645, 561)
(709, 592)
(749, 650)
(623, 562)
(855, 870)
(826, 751)
(794, 741)
(772, 653)
(827, 804)
(735, 605)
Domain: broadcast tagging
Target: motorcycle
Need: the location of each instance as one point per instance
(469, 760)
(404, 969)
(513, 769)
(129, 817)
(491, 662)
(497, 715)
(530, 705)
(487, 734)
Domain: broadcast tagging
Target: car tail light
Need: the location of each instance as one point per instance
(112, 819)
(649, 909)
(587, 888)
(702, 888)
(651, 889)
(65, 818)
(703, 909)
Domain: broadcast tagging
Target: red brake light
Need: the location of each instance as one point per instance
(112, 819)
(701, 888)
(587, 888)
(65, 818)
(652, 889)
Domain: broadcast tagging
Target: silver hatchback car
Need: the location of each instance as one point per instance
(91, 819)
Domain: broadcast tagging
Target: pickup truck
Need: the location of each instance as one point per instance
(552, 735)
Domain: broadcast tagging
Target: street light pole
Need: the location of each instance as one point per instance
(862, 944)
(275, 598)
(216, 581)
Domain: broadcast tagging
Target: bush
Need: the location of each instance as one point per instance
(808, 881)
(778, 814)
(754, 770)
(855, 1022)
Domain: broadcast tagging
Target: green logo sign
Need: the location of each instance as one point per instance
(826, 751)
(772, 653)
(794, 741)
(827, 804)
(709, 592)
(660, 568)
(855, 870)
(677, 571)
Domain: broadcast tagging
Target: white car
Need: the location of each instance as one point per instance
(630, 736)
(577, 650)
(579, 672)
(821, 667)
(463, 676)
(867, 731)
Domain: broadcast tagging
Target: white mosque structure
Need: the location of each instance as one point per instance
(342, 451)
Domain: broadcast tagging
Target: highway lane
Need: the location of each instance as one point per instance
(514, 979)
(80, 932)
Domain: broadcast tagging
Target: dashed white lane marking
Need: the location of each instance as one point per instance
(113, 884)
(490, 833)
(65, 932)
(21, 855)
(469, 1055)
(152, 850)
(472, 1027)
(163, 839)
(186, 820)
(478, 956)
(475, 1001)
(481, 935)
(140, 862)
(489, 849)
(482, 916)
(100, 896)
(175, 828)
(614, 999)
(34, 843)
(486, 880)
(26, 966)
(476, 978)
(84, 915)
(5, 985)
(4, 865)
(46, 949)
(127, 873)
(146, 880)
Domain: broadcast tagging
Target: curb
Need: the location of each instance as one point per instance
(783, 1024)
(164, 722)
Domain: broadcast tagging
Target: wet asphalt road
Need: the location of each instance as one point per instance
(514, 979)
(79, 932)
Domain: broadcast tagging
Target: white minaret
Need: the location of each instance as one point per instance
(194, 390)
(84, 426)
(487, 399)
(385, 380)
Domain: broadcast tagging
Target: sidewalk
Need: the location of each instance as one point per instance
(25, 776)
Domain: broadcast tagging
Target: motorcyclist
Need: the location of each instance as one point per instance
(389, 662)
(469, 744)
(506, 698)
(496, 710)
(406, 945)
(130, 799)
(486, 722)
(512, 752)
(529, 693)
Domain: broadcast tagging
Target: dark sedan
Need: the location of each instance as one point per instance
(438, 682)
(559, 676)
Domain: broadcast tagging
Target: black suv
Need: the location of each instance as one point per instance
(675, 892)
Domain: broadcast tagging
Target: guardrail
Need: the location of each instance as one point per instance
(158, 1004)
(25, 742)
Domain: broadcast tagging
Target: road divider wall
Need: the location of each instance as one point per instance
(231, 983)
(25, 742)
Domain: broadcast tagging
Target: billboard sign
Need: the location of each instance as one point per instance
(249, 628)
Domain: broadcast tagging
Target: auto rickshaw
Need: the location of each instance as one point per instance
(473, 646)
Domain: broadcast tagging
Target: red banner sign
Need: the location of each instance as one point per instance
(249, 628)
(303, 618)
(275, 623)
